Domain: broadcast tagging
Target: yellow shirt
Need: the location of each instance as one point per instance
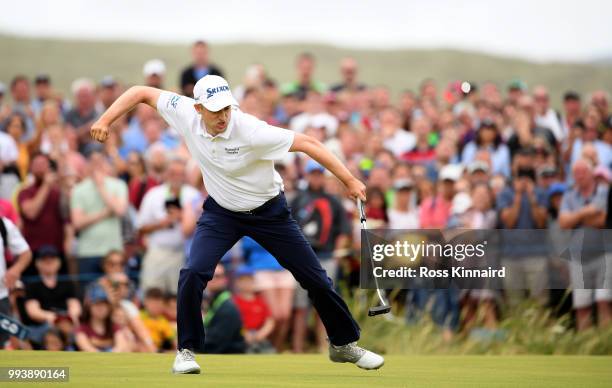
(23, 160)
(159, 328)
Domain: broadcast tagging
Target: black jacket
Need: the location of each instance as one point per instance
(223, 327)
(188, 78)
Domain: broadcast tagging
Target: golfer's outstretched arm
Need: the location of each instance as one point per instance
(126, 102)
(316, 150)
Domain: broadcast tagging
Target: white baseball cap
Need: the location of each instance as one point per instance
(451, 172)
(154, 66)
(214, 93)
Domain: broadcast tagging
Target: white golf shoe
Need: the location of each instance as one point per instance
(354, 354)
(185, 363)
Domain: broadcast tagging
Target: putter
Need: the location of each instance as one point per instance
(383, 307)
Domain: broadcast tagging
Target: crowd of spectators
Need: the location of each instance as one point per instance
(95, 234)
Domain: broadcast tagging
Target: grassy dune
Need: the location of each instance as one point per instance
(398, 69)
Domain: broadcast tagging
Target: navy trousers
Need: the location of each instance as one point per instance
(273, 227)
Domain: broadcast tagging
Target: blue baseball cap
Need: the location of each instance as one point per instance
(244, 270)
(312, 165)
(556, 188)
(97, 294)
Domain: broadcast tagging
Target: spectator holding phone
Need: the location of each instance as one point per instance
(97, 205)
(159, 220)
(523, 205)
(40, 209)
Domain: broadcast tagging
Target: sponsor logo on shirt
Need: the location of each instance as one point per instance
(174, 101)
(211, 91)
(232, 151)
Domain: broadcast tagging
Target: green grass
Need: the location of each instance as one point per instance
(286, 370)
(66, 60)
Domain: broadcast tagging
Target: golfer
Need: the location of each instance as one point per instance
(236, 154)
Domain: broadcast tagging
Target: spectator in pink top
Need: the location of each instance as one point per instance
(7, 210)
(435, 210)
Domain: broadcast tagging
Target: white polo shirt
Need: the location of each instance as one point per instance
(238, 164)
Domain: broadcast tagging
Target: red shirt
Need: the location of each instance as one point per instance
(373, 213)
(138, 188)
(420, 156)
(48, 227)
(102, 341)
(254, 312)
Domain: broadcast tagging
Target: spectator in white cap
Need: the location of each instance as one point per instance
(314, 115)
(154, 72)
(478, 172)
(404, 214)
(435, 210)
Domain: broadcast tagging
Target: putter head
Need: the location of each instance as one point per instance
(384, 309)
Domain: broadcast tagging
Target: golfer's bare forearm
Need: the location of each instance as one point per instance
(128, 100)
(316, 150)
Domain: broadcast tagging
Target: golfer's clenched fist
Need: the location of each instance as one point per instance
(99, 132)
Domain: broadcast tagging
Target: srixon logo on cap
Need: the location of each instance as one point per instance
(211, 91)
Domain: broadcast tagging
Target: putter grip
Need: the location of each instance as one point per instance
(362, 216)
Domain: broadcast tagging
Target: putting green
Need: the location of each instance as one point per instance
(287, 370)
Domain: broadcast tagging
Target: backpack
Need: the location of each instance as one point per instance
(315, 217)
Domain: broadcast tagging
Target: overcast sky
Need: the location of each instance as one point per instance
(536, 29)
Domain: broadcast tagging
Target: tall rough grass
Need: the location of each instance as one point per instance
(526, 329)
